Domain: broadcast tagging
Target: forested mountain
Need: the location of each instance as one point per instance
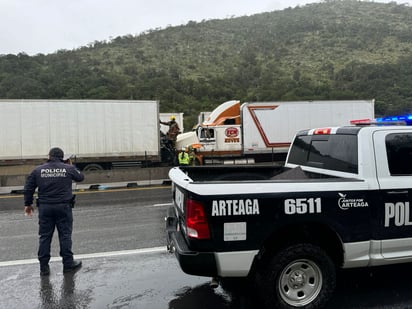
(330, 50)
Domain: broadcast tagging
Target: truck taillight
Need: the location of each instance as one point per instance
(196, 220)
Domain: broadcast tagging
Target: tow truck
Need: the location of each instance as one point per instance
(341, 200)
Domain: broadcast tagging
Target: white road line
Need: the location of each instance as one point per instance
(161, 205)
(89, 256)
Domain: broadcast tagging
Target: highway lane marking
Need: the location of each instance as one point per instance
(90, 256)
(161, 205)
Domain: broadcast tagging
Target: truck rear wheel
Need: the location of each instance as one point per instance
(299, 276)
(92, 167)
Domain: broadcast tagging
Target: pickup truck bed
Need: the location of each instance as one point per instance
(216, 173)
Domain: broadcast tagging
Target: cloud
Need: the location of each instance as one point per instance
(45, 26)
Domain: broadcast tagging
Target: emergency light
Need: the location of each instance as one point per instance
(401, 119)
(405, 118)
(322, 131)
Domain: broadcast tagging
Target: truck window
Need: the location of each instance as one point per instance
(399, 152)
(332, 152)
(207, 134)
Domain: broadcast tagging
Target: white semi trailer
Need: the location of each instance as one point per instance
(100, 134)
(262, 131)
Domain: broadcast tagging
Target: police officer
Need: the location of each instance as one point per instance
(55, 201)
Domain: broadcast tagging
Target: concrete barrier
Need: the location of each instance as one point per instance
(116, 177)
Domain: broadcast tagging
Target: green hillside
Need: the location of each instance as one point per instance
(329, 50)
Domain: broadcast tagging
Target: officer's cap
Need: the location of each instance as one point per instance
(56, 153)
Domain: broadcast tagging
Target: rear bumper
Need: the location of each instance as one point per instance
(191, 262)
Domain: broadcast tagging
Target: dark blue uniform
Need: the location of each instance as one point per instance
(54, 182)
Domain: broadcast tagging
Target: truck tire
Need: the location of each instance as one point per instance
(299, 276)
(92, 167)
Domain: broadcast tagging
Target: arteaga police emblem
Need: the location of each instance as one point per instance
(346, 203)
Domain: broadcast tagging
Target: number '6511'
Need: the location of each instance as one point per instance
(303, 206)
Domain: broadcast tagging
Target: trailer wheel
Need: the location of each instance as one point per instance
(299, 276)
(92, 167)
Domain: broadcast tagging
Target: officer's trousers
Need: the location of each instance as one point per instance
(51, 216)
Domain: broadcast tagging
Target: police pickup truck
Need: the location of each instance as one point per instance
(341, 200)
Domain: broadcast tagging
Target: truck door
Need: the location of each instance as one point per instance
(206, 136)
(394, 172)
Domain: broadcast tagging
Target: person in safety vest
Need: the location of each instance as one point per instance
(183, 157)
(192, 155)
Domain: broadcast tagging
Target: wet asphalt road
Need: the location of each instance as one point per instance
(142, 280)
(119, 235)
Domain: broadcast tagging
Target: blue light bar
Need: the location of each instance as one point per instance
(405, 118)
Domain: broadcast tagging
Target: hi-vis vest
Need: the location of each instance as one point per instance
(184, 158)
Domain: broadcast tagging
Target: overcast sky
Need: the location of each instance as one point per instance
(46, 26)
